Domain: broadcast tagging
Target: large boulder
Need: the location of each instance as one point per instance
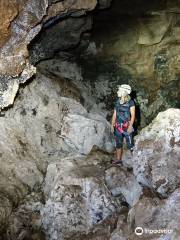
(77, 199)
(81, 133)
(120, 181)
(159, 219)
(34, 133)
(157, 149)
(150, 218)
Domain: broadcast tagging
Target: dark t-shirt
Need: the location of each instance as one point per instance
(123, 110)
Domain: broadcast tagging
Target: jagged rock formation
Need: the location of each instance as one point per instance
(21, 21)
(82, 192)
(77, 198)
(39, 129)
(21, 25)
(156, 161)
(101, 61)
(143, 42)
(151, 213)
(122, 182)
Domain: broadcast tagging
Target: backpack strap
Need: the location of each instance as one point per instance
(123, 112)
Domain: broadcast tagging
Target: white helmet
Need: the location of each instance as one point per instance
(123, 90)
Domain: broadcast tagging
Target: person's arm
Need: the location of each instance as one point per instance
(113, 122)
(132, 111)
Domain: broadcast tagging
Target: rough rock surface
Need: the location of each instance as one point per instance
(157, 151)
(95, 86)
(20, 22)
(20, 26)
(121, 181)
(23, 28)
(143, 40)
(77, 198)
(61, 36)
(154, 214)
(41, 102)
(68, 7)
(25, 221)
(82, 194)
(56, 121)
(35, 132)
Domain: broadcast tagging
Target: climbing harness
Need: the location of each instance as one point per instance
(121, 127)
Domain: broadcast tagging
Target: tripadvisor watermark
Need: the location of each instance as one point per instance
(140, 231)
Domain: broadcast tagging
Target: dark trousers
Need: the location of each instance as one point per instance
(119, 139)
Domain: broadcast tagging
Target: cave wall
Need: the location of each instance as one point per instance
(20, 22)
(143, 39)
(132, 43)
(49, 182)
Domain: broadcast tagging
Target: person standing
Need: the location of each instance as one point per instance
(122, 121)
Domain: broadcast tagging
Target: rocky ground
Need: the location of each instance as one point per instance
(57, 181)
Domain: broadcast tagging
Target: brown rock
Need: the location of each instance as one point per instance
(68, 7)
(8, 11)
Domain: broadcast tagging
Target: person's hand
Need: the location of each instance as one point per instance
(112, 128)
(130, 129)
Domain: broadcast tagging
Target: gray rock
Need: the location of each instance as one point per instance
(120, 181)
(154, 214)
(77, 199)
(156, 157)
(33, 135)
(81, 133)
